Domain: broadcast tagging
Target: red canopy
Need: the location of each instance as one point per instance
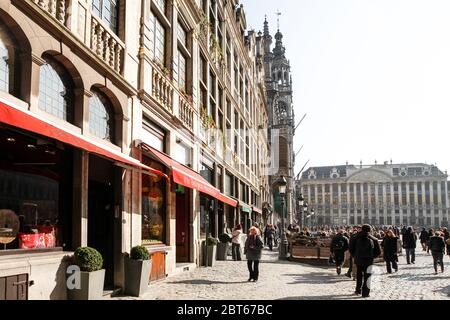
(24, 119)
(189, 178)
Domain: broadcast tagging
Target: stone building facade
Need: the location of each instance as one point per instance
(386, 194)
(139, 122)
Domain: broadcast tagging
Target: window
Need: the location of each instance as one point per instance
(101, 117)
(182, 71)
(6, 59)
(107, 10)
(55, 91)
(158, 34)
(153, 206)
(37, 196)
(153, 135)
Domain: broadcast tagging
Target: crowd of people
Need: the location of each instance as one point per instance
(364, 244)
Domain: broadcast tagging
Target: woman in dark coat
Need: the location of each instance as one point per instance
(424, 238)
(390, 251)
(253, 251)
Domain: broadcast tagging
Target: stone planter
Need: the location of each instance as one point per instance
(137, 275)
(222, 251)
(91, 286)
(209, 255)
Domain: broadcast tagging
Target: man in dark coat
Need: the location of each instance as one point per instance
(339, 245)
(437, 247)
(364, 248)
(424, 237)
(410, 243)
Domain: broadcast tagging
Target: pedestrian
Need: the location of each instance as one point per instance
(437, 248)
(253, 251)
(364, 248)
(424, 237)
(276, 235)
(236, 243)
(390, 251)
(270, 237)
(409, 244)
(430, 234)
(447, 239)
(352, 267)
(339, 245)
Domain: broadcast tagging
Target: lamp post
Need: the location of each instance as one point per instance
(300, 202)
(281, 183)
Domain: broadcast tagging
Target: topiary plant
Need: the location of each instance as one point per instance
(139, 253)
(224, 238)
(212, 242)
(88, 259)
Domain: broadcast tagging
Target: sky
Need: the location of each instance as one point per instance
(373, 78)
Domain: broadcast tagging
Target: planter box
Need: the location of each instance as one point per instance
(137, 275)
(305, 252)
(209, 255)
(222, 251)
(91, 286)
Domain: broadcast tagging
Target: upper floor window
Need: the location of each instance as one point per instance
(107, 10)
(101, 117)
(55, 91)
(7, 61)
(158, 40)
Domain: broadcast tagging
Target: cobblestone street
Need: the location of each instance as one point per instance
(291, 281)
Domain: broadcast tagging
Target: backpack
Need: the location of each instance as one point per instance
(364, 248)
(339, 244)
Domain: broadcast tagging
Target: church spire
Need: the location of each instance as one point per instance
(266, 27)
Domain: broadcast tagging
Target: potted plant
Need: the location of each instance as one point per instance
(223, 247)
(138, 266)
(210, 252)
(91, 278)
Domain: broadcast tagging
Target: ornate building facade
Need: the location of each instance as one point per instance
(126, 123)
(281, 119)
(387, 194)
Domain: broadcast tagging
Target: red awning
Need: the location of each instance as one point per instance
(189, 178)
(26, 120)
(257, 210)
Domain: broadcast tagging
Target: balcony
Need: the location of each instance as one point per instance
(76, 17)
(162, 88)
(186, 113)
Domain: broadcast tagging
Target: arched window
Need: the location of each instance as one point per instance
(55, 91)
(7, 60)
(101, 117)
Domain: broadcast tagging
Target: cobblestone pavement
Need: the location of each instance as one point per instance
(292, 281)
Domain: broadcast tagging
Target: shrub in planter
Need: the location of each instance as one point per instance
(89, 285)
(210, 251)
(223, 246)
(137, 271)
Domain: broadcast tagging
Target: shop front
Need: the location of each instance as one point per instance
(246, 219)
(183, 186)
(58, 191)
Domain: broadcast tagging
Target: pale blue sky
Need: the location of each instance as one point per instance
(372, 75)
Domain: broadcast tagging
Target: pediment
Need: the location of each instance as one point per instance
(369, 175)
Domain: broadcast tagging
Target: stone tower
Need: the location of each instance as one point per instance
(281, 118)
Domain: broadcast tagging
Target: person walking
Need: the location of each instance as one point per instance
(351, 272)
(253, 251)
(364, 248)
(437, 248)
(430, 234)
(424, 237)
(390, 251)
(446, 234)
(236, 243)
(339, 245)
(270, 237)
(409, 244)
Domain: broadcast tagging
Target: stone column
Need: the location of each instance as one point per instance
(355, 195)
(80, 198)
(339, 203)
(424, 204)
(36, 64)
(385, 208)
(416, 200)
(348, 203)
(377, 209)
(432, 207)
(400, 202)
(408, 204)
(446, 200)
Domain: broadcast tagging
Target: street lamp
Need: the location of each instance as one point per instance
(281, 183)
